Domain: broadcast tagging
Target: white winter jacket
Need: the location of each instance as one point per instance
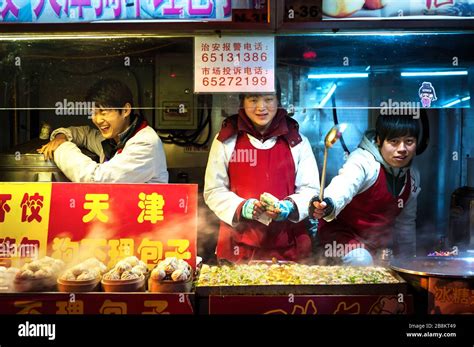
(224, 202)
(142, 159)
(359, 173)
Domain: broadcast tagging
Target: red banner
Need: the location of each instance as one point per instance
(108, 221)
(96, 303)
(112, 221)
(311, 304)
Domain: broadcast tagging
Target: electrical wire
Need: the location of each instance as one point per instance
(186, 138)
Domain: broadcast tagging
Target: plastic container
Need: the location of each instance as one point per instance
(134, 285)
(79, 286)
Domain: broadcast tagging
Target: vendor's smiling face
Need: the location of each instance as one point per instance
(111, 122)
(261, 109)
(399, 151)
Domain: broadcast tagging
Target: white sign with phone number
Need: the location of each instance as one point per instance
(234, 64)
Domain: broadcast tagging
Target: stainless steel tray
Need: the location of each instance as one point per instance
(311, 289)
(450, 267)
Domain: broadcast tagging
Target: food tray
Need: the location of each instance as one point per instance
(169, 286)
(79, 286)
(35, 285)
(308, 289)
(134, 285)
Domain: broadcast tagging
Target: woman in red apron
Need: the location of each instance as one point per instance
(371, 204)
(260, 150)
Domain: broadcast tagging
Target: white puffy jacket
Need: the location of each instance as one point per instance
(224, 202)
(142, 159)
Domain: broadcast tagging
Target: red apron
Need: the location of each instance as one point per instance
(368, 219)
(273, 171)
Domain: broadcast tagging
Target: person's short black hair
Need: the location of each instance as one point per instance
(388, 127)
(110, 93)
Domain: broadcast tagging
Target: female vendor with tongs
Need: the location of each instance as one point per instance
(259, 178)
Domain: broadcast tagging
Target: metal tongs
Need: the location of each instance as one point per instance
(331, 138)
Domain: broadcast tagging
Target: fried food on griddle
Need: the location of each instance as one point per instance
(291, 274)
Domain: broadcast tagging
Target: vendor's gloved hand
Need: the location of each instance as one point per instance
(283, 210)
(252, 209)
(319, 209)
(278, 210)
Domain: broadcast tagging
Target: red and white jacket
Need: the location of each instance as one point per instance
(224, 203)
(283, 165)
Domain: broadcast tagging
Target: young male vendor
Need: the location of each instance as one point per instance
(371, 204)
(130, 150)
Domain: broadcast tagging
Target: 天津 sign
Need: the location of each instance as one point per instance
(71, 221)
(234, 64)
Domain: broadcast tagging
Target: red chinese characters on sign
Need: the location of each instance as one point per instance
(447, 296)
(310, 304)
(231, 64)
(7, 246)
(113, 221)
(112, 250)
(65, 249)
(31, 207)
(120, 248)
(438, 3)
(454, 295)
(93, 303)
(24, 220)
(26, 306)
(4, 206)
(70, 307)
(25, 249)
